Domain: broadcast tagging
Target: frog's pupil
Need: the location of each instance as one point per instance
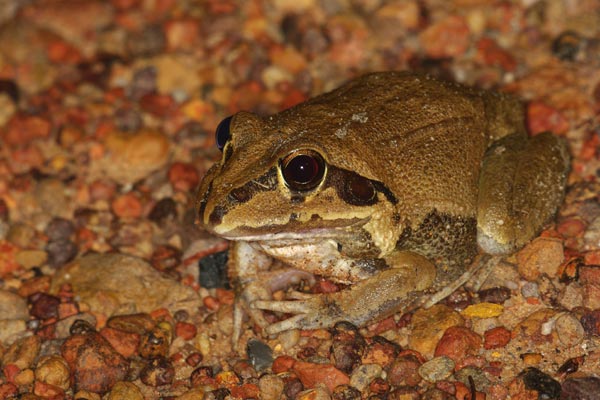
(222, 132)
(303, 172)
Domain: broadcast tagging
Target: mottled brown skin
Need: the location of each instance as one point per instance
(452, 170)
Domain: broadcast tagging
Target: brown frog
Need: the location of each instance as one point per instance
(390, 184)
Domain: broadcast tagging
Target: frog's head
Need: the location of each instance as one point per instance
(288, 177)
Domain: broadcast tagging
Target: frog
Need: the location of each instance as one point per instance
(389, 186)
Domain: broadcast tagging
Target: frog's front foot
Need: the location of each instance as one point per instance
(261, 290)
(312, 312)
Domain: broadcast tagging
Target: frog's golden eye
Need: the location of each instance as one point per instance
(222, 133)
(303, 170)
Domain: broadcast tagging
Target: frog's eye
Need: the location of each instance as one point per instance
(222, 133)
(303, 170)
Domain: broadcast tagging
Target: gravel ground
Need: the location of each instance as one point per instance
(107, 119)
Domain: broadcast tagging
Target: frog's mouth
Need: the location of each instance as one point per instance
(297, 231)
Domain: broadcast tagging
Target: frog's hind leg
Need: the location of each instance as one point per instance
(521, 185)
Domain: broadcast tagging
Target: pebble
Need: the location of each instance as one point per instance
(404, 371)
(213, 270)
(569, 330)
(164, 210)
(271, 387)
(158, 371)
(586, 388)
(125, 343)
(155, 343)
(312, 374)
(29, 259)
(534, 379)
(457, 343)
(64, 325)
(364, 374)
(483, 310)
(43, 305)
(259, 354)
(59, 229)
(96, 278)
(183, 177)
(437, 369)
(541, 256)
(591, 236)
(496, 338)
(480, 380)
(94, 364)
(131, 157)
(428, 326)
(12, 307)
(446, 38)
(125, 391)
(61, 252)
(53, 370)
(23, 352)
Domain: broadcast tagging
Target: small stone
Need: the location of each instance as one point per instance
(134, 323)
(53, 370)
(346, 392)
(213, 270)
(46, 391)
(185, 330)
(586, 388)
(259, 354)
(155, 343)
(61, 252)
(404, 371)
(44, 306)
(457, 343)
(534, 379)
(446, 38)
(96, 278)
(318, 393)
(127, 206)
(569, 330)
(131, 157)
(469, 373)
(567, 45)
(541, 256)
(31, 258)
(193, 394)
(428, 326)
(146, 42)
(12, 306)
(496, 338)
(164, 210)
(312, 374)
(271, 387)
(60, 229)
(364, 374)
(542, 117)
(347, 347)
(166, 258)
(381, 351)
(125, 343)
(483, 310)
(158, 371)
(437, 369)
(23, 352)
(64, 325)
(94, 364)
(183, 177)
(125, 391)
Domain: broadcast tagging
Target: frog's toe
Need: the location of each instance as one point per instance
(290, 307)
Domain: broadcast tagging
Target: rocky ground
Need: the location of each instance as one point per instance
(107, 117)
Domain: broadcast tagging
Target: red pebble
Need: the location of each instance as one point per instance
(490, 53)
(186, 330)
(245, 391)
(542, 117)
(127, 206)
(446, 38)
(282, 364)
(125, 343)
(457, 343)
(312, 374)
(496, 337)
(183, 177)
